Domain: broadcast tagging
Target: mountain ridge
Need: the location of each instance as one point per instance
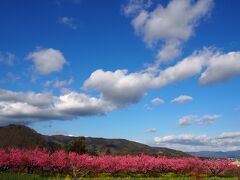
(19, 136)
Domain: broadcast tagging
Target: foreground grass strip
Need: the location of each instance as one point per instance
(21, 176)
(16, 176)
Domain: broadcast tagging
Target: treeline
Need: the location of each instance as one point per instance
(78, 145)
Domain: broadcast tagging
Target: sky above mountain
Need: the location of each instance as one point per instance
(164, 73)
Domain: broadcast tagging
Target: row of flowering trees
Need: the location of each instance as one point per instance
(84, 165)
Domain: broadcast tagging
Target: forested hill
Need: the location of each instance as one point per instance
(19, 136)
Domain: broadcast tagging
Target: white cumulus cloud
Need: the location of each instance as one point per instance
(165, 27)
(186, 120)
(221, 68)
(120, 87)
(20, 107)
(170, 25)
(226, 141)
(194, 119)
(124, 88)
(35, 99)
(47, 61)
(182, 99)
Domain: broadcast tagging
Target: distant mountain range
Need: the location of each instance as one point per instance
(18, 136)
(217, 154)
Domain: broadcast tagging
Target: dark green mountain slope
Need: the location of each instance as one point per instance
(19, 136)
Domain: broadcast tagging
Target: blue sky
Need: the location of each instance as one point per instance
(164, 73)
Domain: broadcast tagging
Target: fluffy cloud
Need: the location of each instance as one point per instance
(167, 27)
(47, 61)
(182, 99)
(188, 67)
(221, 68)
(116, 89)
(186, 120)
(78, 104)
(31, 98)
(190, 142)
(124, 88)
(169, 51)
(157, 101)
(171, 25)
(191, 119)
(186, 139)
(151, 130)
(19, 107)
(206, 119)
(119, 87)
(68, 21)
(229, 135)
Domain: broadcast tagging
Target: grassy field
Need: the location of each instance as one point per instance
(15, 176)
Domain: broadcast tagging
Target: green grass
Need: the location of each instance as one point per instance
(16, 176)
